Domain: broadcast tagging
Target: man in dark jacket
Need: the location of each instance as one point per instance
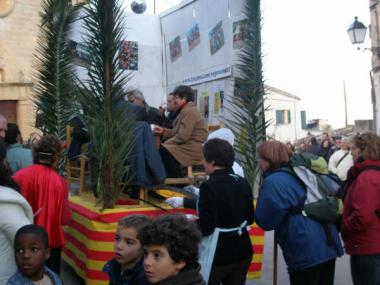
(314, 146)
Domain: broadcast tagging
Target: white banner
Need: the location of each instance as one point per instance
(209, 76)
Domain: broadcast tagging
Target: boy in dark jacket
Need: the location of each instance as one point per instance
(31, 253)
(171, 251)
(126, 268)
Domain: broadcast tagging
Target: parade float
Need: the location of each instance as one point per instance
(97, 68)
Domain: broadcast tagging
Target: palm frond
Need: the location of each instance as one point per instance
(247, 108)
(102, 97)
(54, 74)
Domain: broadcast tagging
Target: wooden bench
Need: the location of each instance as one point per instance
(191, 173)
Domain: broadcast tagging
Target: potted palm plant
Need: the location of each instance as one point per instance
(247, 105)
(102, 96)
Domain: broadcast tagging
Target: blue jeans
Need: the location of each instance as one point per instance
(365, 269)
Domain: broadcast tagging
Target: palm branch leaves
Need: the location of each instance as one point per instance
(102, 97)
(247, 108)
(54, 75)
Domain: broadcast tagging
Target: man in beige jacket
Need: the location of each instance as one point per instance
(183, 143)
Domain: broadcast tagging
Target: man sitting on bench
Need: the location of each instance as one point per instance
(183, 143)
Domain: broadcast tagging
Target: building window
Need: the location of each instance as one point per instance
(283, 117)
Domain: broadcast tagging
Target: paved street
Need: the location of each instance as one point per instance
(342, 272)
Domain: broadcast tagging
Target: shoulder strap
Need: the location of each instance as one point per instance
(290, 171)
(370, 167)
(341, 159)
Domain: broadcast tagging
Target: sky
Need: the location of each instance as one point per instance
(307, 52)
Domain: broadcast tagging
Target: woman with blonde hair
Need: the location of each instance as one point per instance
(361, 216)
(309, 248)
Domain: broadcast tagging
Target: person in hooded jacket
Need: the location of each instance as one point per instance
(361, 211)
(309, 248)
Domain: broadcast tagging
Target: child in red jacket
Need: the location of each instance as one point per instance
(47, 193)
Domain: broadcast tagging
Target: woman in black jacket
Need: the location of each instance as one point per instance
(225, 207)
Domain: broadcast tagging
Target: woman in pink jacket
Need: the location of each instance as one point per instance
(361, 217)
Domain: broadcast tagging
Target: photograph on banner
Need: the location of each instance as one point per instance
(81, 56)
(193, 37)
(204, 105)
(216, 102)
(216, 36)
(129, 55)
(175, 49)
(221, 101)
(239, 30)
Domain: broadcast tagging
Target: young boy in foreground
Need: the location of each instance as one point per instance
(171, 251)
(126, 268)
(31, 253)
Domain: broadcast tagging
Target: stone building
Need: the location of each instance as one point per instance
(375, 71)
(18, 37)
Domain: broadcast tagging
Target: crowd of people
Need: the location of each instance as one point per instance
(213, 247)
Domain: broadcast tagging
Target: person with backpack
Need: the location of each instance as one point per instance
(310, 247)
(361, 215)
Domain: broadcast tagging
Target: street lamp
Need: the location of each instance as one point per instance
(356, 32)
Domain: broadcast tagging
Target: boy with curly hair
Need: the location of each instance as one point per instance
(170, 246)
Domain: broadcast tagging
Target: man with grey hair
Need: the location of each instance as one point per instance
(136, 97)
(3, 126)
(341, 160)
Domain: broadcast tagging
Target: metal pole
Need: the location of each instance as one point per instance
(154, 7)
(275, 253)
(345, 104)
(373, 99)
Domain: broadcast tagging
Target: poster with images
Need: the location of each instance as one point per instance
(239, 31)
(205, 105)
(80, 54)
(175, 49)
(216, 36)
(128, 55)
(193, 37)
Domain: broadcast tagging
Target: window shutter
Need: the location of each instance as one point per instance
(278, 117)
(303, 120)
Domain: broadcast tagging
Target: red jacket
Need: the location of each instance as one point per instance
(47, 193)
(361, 226)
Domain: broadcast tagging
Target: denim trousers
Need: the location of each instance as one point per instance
(365, 269)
